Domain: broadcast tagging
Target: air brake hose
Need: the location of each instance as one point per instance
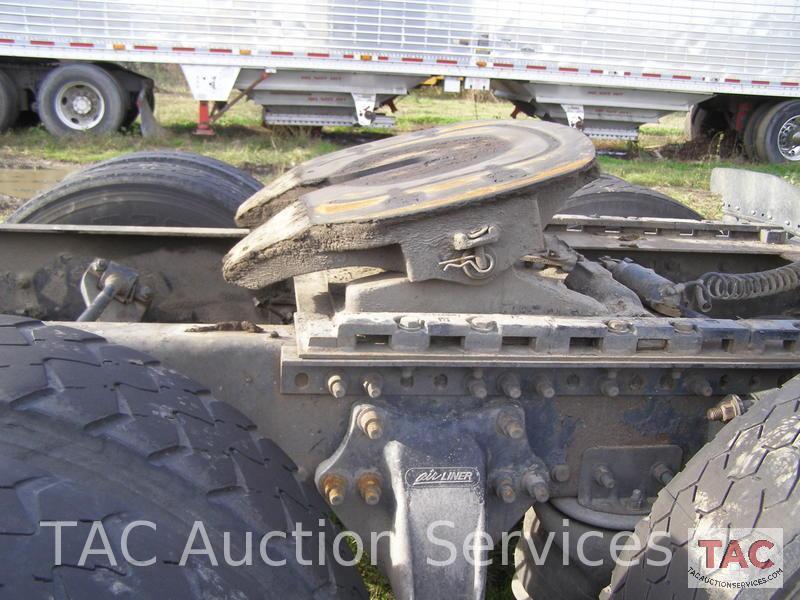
(744, 286)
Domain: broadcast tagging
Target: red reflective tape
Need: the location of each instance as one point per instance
(411, 59)
(731, 80)
(505, 65)
(446, 61)
(347, 55)
(568, 69)
(656, 75)
(141, 47)
(759, 82)
(681, 76)
(790, 83)
(597, 71)
(383, 58)
(627, 73)
(6, 41)
(182, 49)
(318, 54)
(81, 45)
(220, 50)
(537, 67)
(42, 43)
(281, 53)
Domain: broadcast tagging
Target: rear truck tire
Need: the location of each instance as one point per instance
(745, 477)
(9, 102)
(611, 196)
(81, 98)
(156, 194)
(218, 168)
(552, 579)
(778, 134)
(750, 128)
(92, 432)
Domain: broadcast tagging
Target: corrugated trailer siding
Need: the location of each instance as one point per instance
(753, 41)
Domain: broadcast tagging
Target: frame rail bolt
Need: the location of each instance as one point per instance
(662, 473)
(369, 486)
(609, 386)
(370, 422)
(477, 388)
(700, 386)
(544, 387)
(505, 490)
(336, 386)
(510, 385)
(732, 406)
(373, 385)
(510, 425)
(333, 488)
(603, 476)
(536, 486)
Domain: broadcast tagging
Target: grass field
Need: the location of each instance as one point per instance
(242, 141)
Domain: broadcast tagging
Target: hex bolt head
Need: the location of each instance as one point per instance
(662, 473)
(682, 327)
(373, 385)
(544, 387)
(618, 326)
(732, 406)
(610, 388)
(510, 425)
(510, 385)
(337, 386)
(560, 472)
(505, 490)
(700, 386)
(603, 475)
(370, 422)
(477, 388)
(536, 486)
(409, 323)
(369, 486)
(333, 488)
(482, 324)
(99, 265)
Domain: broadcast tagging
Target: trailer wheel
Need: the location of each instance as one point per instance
(103, 436)
(150, 193)
(77, 98)
(750, 128)
(778, 134)
(551, 578)
(745, 477)
(611, 196)
(9, 102)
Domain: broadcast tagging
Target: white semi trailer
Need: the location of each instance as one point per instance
(605, 66)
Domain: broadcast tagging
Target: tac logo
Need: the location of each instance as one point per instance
(735, 558)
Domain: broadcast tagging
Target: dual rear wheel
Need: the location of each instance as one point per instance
(772, 132)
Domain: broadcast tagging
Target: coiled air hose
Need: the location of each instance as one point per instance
(744, 286)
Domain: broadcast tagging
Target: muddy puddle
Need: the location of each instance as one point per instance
(26, 183)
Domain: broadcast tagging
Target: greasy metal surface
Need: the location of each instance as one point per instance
(428, 170)
(408, 204)
(42, 266)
